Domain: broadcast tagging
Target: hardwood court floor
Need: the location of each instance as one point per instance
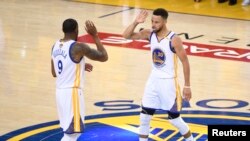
(29, 28)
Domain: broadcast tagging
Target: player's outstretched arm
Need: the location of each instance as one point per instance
(100, 54)
(129, 31)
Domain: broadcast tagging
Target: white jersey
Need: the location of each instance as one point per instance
(164, 59)
(70, 74)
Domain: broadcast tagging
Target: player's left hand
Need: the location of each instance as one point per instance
(88, 67)
(187, 94)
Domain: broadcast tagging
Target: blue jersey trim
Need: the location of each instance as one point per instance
(170, 44)
(150, 36)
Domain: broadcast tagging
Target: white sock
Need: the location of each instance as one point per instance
(70, 137)
(76, 136)
(191, 138)
(143, 139)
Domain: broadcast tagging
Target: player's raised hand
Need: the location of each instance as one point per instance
(90, 28)
(141, 17)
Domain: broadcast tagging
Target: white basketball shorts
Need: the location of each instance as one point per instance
(70, 106)
(162, 94)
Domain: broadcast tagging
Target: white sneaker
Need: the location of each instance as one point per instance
(246, 2)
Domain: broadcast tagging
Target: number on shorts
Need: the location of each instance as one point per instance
(60, 66)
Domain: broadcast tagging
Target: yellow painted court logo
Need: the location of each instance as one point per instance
(125, 127)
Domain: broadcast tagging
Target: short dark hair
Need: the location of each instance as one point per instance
(161, 12)
(69, 25)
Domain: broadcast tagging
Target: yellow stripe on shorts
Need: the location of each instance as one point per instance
(76, 108)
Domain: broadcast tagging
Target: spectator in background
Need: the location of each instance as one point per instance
(245, 2)
(231, 2)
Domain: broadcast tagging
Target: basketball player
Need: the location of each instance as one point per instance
(68, 65)
(162, 91)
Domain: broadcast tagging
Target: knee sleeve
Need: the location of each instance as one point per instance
(144, 124)
(180, 124)
(172, 115)
(148, 111)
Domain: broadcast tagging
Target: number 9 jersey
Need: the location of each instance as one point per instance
(70, 74)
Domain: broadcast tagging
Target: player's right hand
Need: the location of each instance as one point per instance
(141, 18)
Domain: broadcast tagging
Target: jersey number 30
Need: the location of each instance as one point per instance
(60, 66)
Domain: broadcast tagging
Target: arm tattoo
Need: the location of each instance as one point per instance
(77, 52)
(94, 54)
(81, 50)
